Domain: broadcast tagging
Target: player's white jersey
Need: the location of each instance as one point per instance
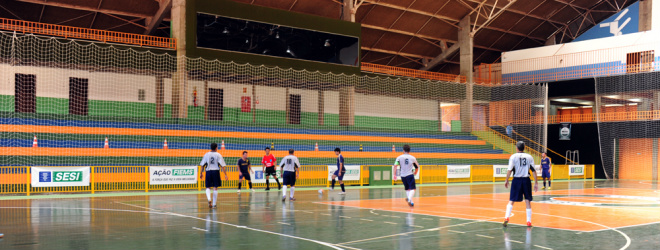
(521, 163)
(290, 162)
(406, 162)
(213, 159)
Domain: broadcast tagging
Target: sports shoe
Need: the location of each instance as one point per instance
(215, 206)
(411, 204)
(210, 204)
(406, 199)
(252, 189)
(529, 224)
(549, 188)
(239, 191)
(342, 193)
(2, 235)
(279, 187)
(268, 188)
(543, 188)
(506, 222)
(292, 199)
(283, 198)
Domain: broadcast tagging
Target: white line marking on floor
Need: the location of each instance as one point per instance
(485, 236)
(516, 241)
(417, 226)
(366, 220)
(345, 217)
(306, 212)
(284, 223)
(200, 229)
(389, 222)
(456, 231)
(326, 214)
(330, 245)
(543, 247)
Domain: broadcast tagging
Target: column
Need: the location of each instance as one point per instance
(466, 43)
(321, 108)
(179, 79)
(347, 106)
(160, 96)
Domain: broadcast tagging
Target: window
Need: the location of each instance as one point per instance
(141, 95)
(25, 93)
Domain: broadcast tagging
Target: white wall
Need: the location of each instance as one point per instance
(394, 107)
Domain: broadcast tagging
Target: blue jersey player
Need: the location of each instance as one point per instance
(341, 171)
(407, 162)
(546, 164)
(519, 166)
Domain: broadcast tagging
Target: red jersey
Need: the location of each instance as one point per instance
(269, 160)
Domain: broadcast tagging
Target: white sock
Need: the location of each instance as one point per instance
(283, 190)
(208, 194)
(408, 194)
(292, 190)
(529, 215)
(411, 195)
(215, 196)
(509, 207)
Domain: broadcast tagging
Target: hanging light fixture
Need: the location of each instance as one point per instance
(327, 43)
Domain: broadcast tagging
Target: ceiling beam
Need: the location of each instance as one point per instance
(392, 52)
(442, 57)
(86, 8)
(402, 32)
(521, 13)
(165, 7)
(449, 20)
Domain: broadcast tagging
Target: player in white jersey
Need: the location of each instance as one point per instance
(212, 162)
(409, 168)
(519, 165)
(290, 169)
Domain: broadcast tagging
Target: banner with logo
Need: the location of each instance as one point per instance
(160, 175)
(575, 169)
(565, 131)
(258, 176)
(60, 176)
(458, 171)
(352, 172)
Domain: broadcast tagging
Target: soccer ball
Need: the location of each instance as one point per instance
(320, 191)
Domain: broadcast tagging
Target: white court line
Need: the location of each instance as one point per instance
(330, 245)
(459, 232)
(344, 217)
(516, 241)
(543, 247)
(284, 223)
(417, 226)
(326, 214)
(389, 222)
(485, 236)
(366, 220)
(305, 211)
(196, 228)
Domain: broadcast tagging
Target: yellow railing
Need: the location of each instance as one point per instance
(86, 34)
(504, 142)
(585, 118)
(17, 180)
(406, 72)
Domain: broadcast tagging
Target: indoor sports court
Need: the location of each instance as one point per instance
(329, 124)
(574, 215)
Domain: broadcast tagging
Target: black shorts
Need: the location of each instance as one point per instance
(409, 182)
(245, 175)
(289, 178)
(521, 186)
(339, 177)
(270, 171)
(213, 179)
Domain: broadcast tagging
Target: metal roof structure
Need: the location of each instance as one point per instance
(402, 33)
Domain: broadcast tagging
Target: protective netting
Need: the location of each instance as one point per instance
(72, 103)
(628, 125)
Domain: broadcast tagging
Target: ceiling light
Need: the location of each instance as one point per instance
(612, 96)
(538, 106)
(586, 107)
(327, 43)
(277, 35)
(226, 31)
(613, 105)
(289, 51)
(569, 108)
(632, 104)
(635, 100)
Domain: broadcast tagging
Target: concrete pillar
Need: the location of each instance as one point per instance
(321, 107)
(347, 106)
(179, 79)
(349, 11)
(288, 107)
(160, 96)
(254, 104)
(439, 115)
(645, 15)
(551, 41)
(466, 43)
(206, 99)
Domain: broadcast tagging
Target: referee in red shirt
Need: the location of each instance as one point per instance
(269, 162)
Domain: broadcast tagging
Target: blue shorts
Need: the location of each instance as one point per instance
(213, 179)
(521, 186)
(409, 182)
(244, 175)
(339, 177)
(289, 178)
(545, 173)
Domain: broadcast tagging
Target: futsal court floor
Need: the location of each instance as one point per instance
(573, 215)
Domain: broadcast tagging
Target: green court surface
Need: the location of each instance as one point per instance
(574, 215)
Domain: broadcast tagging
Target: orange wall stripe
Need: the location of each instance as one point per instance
(222, 134)
(129, 152)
